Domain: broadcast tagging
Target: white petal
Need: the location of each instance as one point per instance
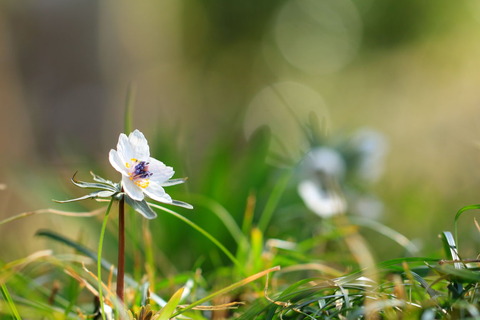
(323, 203)
(124, 148)
(117, 162)
(139, 145)
(161, 172)
(156, 192)
(131, 189)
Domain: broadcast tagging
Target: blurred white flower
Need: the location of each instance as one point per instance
(319, 189)
(141, 174)
(372, 148)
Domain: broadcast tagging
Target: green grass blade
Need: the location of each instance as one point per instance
(10, 303)
(451, 249)
(128, 118)
(99, 259)
(224, 216)
(202, 231)
(459, 213)
(273, 200)
(227, 289)
(168, 310)
(388, 232)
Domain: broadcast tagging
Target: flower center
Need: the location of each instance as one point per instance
(139, 174)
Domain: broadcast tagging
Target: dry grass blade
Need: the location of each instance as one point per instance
(229, 288)
(53, 211)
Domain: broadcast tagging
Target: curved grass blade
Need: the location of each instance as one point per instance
(223, 215)
(15, 266)
(388, 232)
(459, 213)
(53, 211)
(202, 231)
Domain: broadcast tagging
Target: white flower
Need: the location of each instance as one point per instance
(319, 190)
(141, 174)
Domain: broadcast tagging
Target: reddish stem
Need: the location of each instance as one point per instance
(121, 249)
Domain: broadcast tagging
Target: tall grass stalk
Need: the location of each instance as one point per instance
(99, 259)
(9, 300)
(121, 249)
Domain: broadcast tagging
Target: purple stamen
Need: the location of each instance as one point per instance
(141, 170)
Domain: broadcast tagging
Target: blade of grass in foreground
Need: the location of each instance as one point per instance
(227, 289)
(169, 309)
(9, 300)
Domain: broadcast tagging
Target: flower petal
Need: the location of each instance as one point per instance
(139, 145)
(117, 162)
(156, 192)
(161, 172)
(130, 188)
(124, 148)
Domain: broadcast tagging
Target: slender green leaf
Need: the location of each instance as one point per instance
(168, 310)
(93, 195)
(273, 200)
(10, 302)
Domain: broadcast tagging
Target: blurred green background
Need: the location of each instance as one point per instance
(204, 73)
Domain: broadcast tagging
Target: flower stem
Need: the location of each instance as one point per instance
(121, 249)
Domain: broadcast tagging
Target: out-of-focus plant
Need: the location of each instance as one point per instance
(335, 175)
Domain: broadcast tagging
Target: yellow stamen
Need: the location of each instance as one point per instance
(142, 183)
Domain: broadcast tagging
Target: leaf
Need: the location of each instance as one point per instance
(167, 311)
(141, 207)
(173, 182)
(93, 185)
(182, 204)
(95, 194)
(102, 180)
